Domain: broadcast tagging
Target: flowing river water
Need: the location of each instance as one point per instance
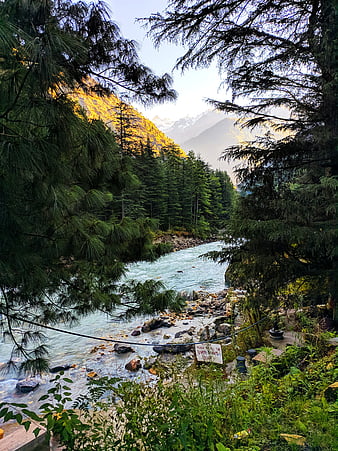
(182, 271)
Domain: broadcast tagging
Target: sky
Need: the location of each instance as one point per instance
(192, 87)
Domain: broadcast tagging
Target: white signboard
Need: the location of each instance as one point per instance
(209, 353)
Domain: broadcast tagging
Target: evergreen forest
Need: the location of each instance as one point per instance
(179, 193)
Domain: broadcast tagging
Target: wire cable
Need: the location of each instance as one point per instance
(92, 337)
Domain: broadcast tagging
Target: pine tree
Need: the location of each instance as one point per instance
(172, 172)
(62, 249)
(150, 170)
(274, 54)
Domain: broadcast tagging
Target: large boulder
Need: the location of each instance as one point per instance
(122, 349)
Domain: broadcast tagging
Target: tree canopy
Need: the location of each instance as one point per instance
(273, 54)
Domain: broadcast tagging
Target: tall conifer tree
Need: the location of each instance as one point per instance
(275, 54)
(61, 248)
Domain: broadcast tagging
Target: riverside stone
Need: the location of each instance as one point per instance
(134, 365)
(122, 349)
(155, 323)
(27, 385)
(59, 368)
(92, 375)
(220, 320)
(224, 329)
(183, 332)
(173, 349)
(135, 333)
(208, 333)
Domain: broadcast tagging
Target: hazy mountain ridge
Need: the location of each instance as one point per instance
(188, 127)
(208, 135)
(211, 143)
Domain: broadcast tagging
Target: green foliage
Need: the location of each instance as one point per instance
(63, 423)
(149, 297)
(179, 192)
(198, 410)
(273, 54)
(63, 247)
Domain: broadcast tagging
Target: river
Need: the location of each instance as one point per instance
(182, 271)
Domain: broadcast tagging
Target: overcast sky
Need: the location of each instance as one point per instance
(192, 86)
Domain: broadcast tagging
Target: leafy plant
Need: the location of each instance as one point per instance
(195, 409)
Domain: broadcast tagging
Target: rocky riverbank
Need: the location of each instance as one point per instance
(206, 316)
(182, 241)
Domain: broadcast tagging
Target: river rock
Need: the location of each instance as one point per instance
(154, 323)
(122, 349)
(220, 320)
(133, 365)
(92, 375)
(27, 385)
(183, 332)
(59, 368)
(135, 333)
(172, 349)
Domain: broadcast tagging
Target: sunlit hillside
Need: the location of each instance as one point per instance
(131, 128)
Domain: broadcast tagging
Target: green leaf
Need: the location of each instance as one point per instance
(47, 406)
(31, 415)
(21, 406)
(8, 416)
(26, 425)
(36, 431)
(3, 412)
(18, 418)
(50, 421)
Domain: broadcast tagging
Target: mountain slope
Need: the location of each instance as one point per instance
(208, 135)
(211, 143)
(131, 127)
(189, 127)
